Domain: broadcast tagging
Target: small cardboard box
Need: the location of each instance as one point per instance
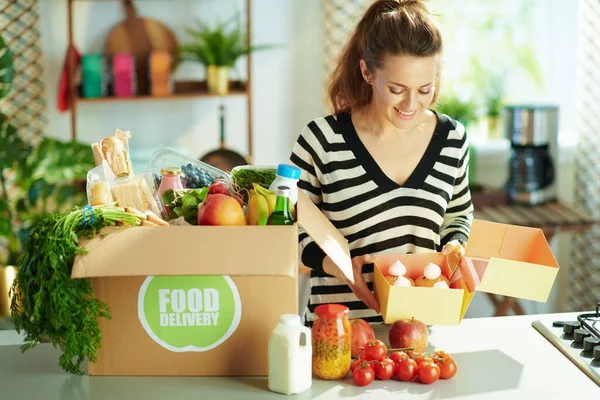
(198, 300)
(502, 259)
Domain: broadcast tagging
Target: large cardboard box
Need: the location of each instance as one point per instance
(502, 259)
(204, 300)
(198, 300)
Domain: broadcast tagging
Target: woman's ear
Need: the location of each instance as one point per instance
(366, 74)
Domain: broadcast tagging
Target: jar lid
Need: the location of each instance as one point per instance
(288, 171)
(332, 310)
(170, 171)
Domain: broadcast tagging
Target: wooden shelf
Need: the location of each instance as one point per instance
(174, 96)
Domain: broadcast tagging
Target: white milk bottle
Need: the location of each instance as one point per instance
(290, 356)
(287, 175)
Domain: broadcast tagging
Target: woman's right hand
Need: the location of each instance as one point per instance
(359, 287)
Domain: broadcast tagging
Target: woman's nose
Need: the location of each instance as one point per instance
(410, 102)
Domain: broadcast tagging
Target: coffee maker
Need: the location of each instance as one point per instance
(533, 134)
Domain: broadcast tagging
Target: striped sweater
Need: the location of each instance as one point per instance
(375, 214)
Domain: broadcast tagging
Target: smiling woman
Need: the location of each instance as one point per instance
(386, 170)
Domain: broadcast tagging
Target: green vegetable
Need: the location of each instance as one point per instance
(244, 177)
(184, 203)
(46, 302)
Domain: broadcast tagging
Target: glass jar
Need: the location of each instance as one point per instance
(331, 342)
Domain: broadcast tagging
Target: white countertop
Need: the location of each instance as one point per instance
(498, 358)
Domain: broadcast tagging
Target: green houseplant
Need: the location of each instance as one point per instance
(217, 49)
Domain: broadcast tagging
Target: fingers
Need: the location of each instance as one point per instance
(361, 290)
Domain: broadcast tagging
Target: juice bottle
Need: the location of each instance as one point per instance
(281, 214)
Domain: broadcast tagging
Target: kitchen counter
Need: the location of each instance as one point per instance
(498, 358)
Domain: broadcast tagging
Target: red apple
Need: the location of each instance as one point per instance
(409, 333)
(362, 333)
(220, 209)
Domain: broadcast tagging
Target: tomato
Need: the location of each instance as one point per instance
(374, 350)
(358, 363)
(448, 368)
(384, 369)
(407, 370)
(441, 354)
(422, 358)
(429, 372)
(363, 376)
(398, 356)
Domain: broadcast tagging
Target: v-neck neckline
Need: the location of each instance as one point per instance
(424, 167)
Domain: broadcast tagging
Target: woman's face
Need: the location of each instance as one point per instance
(403, 88)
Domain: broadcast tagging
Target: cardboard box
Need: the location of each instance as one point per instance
(502, 259)
(197, 300)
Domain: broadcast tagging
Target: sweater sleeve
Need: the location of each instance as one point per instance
(305, 156)
(459, 214)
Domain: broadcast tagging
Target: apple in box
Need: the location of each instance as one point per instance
(221, 209)
(407, 333)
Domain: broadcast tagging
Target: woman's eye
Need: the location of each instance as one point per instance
(396, 91)
(424, 91)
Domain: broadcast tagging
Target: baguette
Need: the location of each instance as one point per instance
(156, 219)
(148, 223)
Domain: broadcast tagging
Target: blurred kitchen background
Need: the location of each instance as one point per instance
(518, 73)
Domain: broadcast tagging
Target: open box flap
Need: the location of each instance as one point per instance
(520, 261)
(329, 239)
(189, 250)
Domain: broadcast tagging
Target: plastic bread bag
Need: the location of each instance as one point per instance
(99, 181)
(115, 151)
(137, 192)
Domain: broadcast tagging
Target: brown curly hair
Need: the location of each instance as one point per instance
(403, 27)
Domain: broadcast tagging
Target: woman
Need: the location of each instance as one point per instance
(387, 171)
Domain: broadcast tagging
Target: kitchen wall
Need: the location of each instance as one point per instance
(287, 90)
(286, 79)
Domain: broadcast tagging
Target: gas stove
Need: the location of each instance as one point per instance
(578, 340)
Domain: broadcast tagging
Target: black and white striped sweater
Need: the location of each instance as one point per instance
(375, 214)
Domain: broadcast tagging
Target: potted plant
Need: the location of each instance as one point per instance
(217, 49)
(34, 181)
(494, 104)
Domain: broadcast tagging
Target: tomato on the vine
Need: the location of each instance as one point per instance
(422, 358)
(363, 376)
(429, 372)
(398, 356)
(441, 354)
(407, 370)
(358, 363)
(374, 350)
(384, 369)
(448, 368)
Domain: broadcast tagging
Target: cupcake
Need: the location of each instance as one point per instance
(432, 275)
(453, 251)
(397, 276)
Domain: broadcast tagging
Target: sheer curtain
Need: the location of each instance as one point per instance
(25, 105)
(339, 19)
(584, 284)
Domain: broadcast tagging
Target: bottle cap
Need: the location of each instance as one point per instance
(289, 319)
(283, 191)
(170, 171)
(288, 171)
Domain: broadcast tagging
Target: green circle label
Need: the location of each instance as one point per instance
(189, 313)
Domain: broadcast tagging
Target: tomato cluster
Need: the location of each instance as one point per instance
(373, 362)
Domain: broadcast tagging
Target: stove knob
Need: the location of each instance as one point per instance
(570, 327)
(597, 353)
(581, 334)
(590, 342)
